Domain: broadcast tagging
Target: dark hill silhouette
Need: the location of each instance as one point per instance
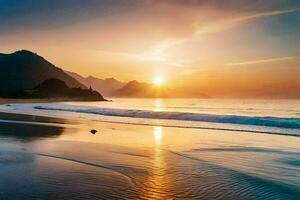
(141, 90)
(55, 88)
(104, 86)
(23, 70)
(137, 89)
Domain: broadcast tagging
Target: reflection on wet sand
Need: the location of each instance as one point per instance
(30, 132)
(158, 135)
(138, 162)
(156, 185)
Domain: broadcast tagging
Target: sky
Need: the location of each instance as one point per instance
(217, 47)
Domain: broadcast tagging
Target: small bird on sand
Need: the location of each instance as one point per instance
(93, 131)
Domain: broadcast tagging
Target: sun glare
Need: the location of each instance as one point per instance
(158, 80)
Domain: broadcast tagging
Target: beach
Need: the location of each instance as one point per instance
(150, 100)
(58, 158)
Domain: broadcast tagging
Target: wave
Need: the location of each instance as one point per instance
(114, 168)
(290, 123)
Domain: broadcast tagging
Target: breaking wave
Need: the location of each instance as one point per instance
(289, 123)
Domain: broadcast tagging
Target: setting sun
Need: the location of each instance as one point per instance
(158, 80)
(150, 99)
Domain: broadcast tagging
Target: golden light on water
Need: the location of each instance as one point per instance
(156, 186)
(158, 105)
(158, 134)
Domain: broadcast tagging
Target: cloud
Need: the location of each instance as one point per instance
(165, 31)
(228, 4)
(222, 23)
(231, 22)
(269, 60)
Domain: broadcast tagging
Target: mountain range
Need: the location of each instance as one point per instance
(23, 70)
(105, 86)
(141, 90)
(111, 87)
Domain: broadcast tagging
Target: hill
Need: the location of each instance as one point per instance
(23, 70)
(137, 89)
(141, 90)
(55, 88)
(104, 86)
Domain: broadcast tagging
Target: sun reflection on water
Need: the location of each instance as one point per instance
(156, 185)
(158, 105)
(158, 134)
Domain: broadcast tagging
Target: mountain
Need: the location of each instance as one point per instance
(141, 90)
(104, 86)
(137, 89)
(180, 93)
(55, 88)
(23, 70)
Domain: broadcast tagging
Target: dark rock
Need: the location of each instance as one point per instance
(93, 131)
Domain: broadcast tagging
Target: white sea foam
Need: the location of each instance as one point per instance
(293, 123)
(255, 120)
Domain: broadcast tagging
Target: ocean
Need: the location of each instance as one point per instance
(151, 149)
(261, 116)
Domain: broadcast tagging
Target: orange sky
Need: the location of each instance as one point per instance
(205, 45)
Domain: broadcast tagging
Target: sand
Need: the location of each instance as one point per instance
(49, 158)
(8, 101)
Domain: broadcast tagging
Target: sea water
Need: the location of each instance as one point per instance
(153, 149)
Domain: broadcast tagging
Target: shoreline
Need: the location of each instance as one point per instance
(94, 119)
(9, 101)
(143, 161)
(35, 118)
(52, 100)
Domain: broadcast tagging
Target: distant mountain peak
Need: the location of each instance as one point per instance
(24, 51)
(90, 77)
(111, 79)
(29, 55)
(105, 86)
(138, 89)
(24, 70)
(133, 82)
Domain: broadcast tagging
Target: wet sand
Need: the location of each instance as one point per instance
(6, 101)
(28, 101)
(49, 158)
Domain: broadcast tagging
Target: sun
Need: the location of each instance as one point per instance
(158, 80)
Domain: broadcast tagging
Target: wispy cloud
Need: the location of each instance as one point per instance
(269, 60)
(231, 22)
(222, 25)
(155, 56)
